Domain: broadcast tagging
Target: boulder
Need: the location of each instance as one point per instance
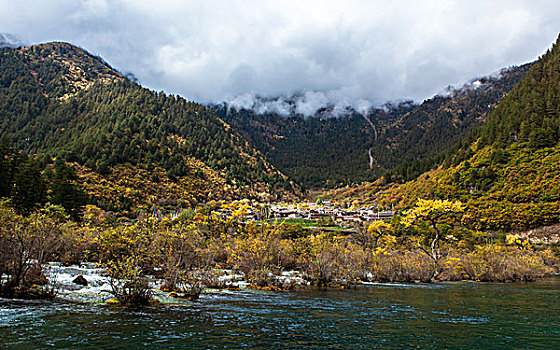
(81, 280)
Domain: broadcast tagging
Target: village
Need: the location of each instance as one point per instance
(326, 211)
(313, 211)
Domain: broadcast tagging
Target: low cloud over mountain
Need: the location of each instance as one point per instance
(325, 53)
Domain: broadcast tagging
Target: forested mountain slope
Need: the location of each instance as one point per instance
(315, 152)
(403, 140)
(508, 170)
(56, 100)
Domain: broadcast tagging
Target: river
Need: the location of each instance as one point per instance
(391, 316)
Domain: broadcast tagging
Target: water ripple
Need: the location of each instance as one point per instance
(451, 315)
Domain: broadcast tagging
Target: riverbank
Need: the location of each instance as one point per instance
(191, 252)
(88, 283)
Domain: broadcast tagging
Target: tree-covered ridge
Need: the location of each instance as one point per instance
(129, 190)
(62, 69)
(508, 172)
(29, 183)
(531, 112)
(419, 139)
(57, 100)
(407, 140)
(517, 192)
(315, 152)
(504, 189)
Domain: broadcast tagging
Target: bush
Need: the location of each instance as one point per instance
(506, 264)
(26, 243)
(128, 284)
(403, 266)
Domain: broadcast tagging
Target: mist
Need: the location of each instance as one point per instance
(296, 56)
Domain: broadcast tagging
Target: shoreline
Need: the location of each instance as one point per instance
(98, 291)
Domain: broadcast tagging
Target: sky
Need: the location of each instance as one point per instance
(355, 53)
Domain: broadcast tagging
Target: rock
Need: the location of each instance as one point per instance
(81, 280)
(193, 297)
(189, 296)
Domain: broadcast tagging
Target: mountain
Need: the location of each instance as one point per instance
(508, 170)
(59, 101)
(399, 141)
(418, 139)
(8, 40)
(315, 152)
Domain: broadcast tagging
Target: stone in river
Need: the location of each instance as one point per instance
(81, 280)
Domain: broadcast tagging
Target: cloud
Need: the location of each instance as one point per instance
(8, 40)
(357, 53)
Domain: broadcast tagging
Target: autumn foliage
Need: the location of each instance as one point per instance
(191, 251)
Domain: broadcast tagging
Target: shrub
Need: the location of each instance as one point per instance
(402, 266)
(128, 283)
(25, 245)
(506, 264)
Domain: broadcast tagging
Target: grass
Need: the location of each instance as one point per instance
(307, 223)
(291, 221)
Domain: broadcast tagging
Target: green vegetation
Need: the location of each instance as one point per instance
(187, 252)
(30, 185)
(431, 132)
(530, 113)
(298, 222)
(321, 222)
(507, 173)
(83, 134)
(407, 141)
(58, 101)
(314, 152)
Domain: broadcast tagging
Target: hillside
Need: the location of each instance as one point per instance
(57, 100)
(315, 152)
(403, 140)
(508, 171)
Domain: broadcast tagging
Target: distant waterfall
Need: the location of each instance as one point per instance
(371, 160)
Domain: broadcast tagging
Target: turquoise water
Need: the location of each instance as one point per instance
(389, 316)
